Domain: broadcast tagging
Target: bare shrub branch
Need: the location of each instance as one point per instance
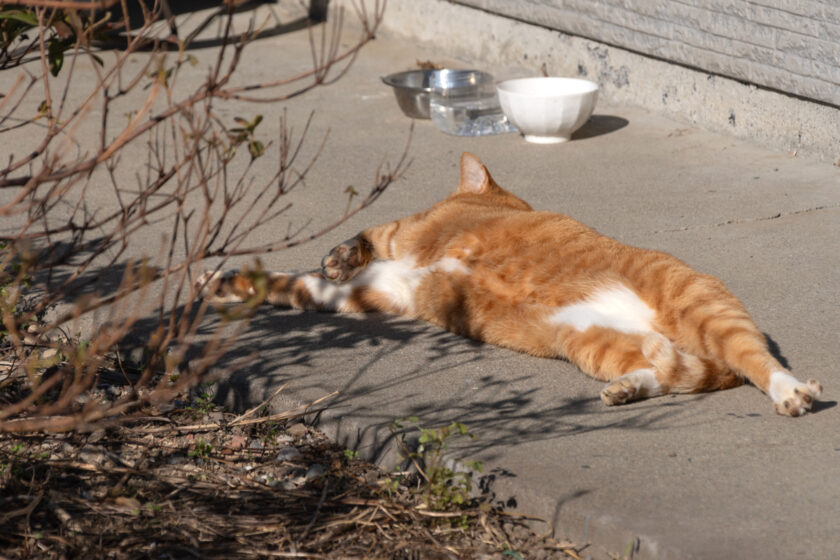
(62, 246)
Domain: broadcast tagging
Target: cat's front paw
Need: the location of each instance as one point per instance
(790, 396)
(223, 287)
(343, 262)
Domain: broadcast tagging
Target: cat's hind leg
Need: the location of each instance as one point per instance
(300, 291)
(386, 286)
(220, 287)
(618, 358)
(633, 386)
(642, 365)
(672, 371)
(715, 324)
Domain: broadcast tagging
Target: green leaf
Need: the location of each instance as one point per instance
(163, 76)
(55, 55)
(22, 16)
(256, 148)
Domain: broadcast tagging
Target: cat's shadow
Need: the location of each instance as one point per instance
(776, 351)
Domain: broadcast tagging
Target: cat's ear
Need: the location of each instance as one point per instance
(475, 179)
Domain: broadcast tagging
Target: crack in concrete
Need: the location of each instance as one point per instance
(752, 220)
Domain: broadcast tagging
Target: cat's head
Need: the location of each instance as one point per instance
(476, 180)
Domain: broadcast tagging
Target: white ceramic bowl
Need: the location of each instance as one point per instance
(548, 110)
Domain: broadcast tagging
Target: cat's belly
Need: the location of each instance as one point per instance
(612, 306)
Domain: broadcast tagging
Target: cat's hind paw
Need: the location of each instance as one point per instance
(219, 287)
(632, 386)
(792, 397)
(620, 391)
(343, 262)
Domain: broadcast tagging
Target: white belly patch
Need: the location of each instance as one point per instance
(612, 307)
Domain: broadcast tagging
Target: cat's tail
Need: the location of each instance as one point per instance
(679, 372)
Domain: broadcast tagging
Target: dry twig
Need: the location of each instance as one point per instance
(230, 502)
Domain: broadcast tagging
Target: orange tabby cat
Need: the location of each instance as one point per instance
(483, 264)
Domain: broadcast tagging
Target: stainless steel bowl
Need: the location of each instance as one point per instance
(414, 87)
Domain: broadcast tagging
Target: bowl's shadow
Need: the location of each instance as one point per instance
(598, 125)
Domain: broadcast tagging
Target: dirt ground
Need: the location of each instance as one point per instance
(196, 482)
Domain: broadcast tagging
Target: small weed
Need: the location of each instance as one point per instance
(203, 403)
(15, 286)
(351, 454)
(268, 432)
(17, 458)
(441, 488)
(82, 349)
(154, 508)
(630, 550)
(202, 450)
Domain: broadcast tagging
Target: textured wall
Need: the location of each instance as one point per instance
(789, 45)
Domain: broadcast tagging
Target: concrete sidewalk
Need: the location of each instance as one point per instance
(708, 476)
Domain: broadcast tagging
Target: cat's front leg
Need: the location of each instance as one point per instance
(347, 259)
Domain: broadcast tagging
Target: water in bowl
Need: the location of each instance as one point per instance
(471, 116)
(468, 105)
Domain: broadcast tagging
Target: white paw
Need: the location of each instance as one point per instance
(619, 391)
(631, 386)
(790, 396)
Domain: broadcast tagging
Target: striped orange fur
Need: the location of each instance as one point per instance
(482, 263)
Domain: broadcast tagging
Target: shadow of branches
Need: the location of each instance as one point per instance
(382, 368)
